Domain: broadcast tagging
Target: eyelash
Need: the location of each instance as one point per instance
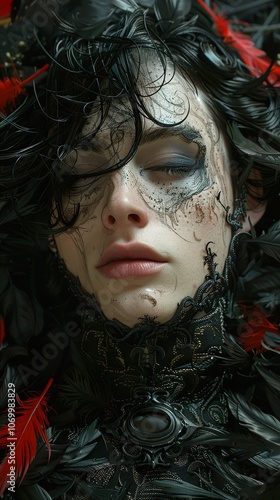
(176, 170)
(179, 167)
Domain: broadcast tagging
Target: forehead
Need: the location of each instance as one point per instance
(167, 100)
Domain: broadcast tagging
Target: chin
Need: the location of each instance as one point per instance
(134, 313)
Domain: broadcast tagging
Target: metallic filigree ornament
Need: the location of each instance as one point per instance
(151, 430)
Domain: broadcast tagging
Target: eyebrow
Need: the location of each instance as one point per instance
(158, 133)
(155, 134)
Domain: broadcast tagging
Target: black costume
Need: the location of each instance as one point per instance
(185, 409)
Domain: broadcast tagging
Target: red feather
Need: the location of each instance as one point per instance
(31, 422)
(254, 329)
(2, 331)
(5, 8)
(255, 59)
(11, 88)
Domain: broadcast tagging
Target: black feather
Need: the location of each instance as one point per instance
(234, 353)
(269, 242)
(238, 481)
(87, 19)
(272, 379)
(261, 424)
(23, 314)
(262, 152)
(224, 439)
(34, 492)
(167, 490)
(170, 13)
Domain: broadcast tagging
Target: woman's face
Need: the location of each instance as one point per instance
(140, 240)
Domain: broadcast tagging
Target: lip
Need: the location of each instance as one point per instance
(129, 260)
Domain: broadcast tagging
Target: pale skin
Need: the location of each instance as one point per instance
(163, 199)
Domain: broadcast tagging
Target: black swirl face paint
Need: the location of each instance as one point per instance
(164, 197)
(175, 172)
(173, 163)
(167, 173)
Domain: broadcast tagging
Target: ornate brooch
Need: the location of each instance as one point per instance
(151, 431)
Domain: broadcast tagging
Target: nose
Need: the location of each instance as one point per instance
(124, 205)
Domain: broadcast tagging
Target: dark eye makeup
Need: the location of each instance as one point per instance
(170, 167)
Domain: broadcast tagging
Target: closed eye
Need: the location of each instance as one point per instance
(171, 168)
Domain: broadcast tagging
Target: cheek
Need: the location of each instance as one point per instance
(202, 219)
(71, 248)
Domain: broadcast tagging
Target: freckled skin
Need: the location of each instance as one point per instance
(174, 212)
(199, 213)
(152, 300)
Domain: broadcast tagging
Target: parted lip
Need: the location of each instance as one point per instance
(129, 251)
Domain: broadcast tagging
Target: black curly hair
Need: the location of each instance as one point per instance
(61, 62)
(93, 64)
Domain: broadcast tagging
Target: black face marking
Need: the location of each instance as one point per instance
(165, 179)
